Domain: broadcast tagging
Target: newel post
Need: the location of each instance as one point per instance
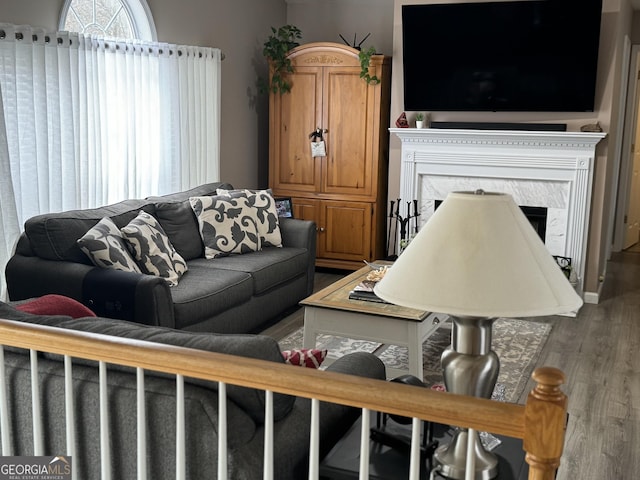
(545, 421)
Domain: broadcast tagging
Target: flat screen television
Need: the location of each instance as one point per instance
(538, 55)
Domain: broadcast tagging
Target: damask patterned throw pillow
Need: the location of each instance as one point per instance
(152, 249)
(227, 225)
(266, 214)
(106, 248)
(305, 357)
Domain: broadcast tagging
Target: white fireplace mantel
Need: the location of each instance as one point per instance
(538, 168)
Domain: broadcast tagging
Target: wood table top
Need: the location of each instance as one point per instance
(336, 296)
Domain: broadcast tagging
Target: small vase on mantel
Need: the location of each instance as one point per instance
(419, 120)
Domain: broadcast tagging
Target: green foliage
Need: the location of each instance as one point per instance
(365, 60)
(275, 49)
(419, 117)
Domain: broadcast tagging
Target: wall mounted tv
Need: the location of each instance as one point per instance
(538, 55)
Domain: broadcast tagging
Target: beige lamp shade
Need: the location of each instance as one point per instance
(478, 255)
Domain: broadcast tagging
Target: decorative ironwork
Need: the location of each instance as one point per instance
(401, 228)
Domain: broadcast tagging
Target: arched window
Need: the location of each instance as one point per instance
(110, 18)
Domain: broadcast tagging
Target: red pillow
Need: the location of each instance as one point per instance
(55, 305)
(304, 357)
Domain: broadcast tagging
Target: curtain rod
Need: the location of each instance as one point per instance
(47, 39)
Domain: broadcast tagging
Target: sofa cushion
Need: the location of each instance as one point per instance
(106, 247)
(227, 225)
(205, 291)
(152, 249)
(269, 268)
(199, 191)
(181, 226)
(266, 214)
(53, 236)
(253, 346)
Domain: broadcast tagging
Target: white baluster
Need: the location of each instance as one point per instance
(4, 408)
(222, 431)
(470, 465)
(268, 436)
(142, 424)
(181, 460)
(364, 444)
(105, 446)
(69, 409)
(414, 467)
(314, 441)
(36, 415)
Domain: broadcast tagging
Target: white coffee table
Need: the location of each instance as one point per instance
(330, 311)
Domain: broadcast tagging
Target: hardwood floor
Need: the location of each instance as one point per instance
(323, 278)
(599, 352)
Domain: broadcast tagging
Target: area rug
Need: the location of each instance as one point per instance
(517, 342)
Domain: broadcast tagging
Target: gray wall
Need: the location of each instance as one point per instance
(239, 28)
(326, 20)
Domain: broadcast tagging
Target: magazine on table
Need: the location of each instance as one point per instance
(364, 291)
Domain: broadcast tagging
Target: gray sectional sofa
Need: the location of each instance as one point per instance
(245, 409)
(239, 293)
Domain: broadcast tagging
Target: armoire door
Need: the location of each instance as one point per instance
(348, 105)
(296, 115)
(345, 231)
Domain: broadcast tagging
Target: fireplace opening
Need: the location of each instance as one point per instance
(538, 218)
(536, 215)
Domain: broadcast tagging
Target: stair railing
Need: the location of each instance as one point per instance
(540, 423)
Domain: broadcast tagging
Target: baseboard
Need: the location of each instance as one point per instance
(593, 297)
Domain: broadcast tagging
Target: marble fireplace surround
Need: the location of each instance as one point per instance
(553, 170)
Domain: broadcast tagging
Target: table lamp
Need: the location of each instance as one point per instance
(477, 259)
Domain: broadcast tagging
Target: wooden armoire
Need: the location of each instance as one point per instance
(344, 192)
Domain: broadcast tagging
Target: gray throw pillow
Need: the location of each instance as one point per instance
(105, 247)
(152, 249)
(227, 225)
(181, 226)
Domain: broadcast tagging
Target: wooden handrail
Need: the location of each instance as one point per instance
(540, 423)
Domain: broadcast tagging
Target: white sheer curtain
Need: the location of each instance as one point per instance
(91, 121)
(9, 225)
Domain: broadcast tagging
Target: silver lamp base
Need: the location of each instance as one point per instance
(452, 458)
(469, 367)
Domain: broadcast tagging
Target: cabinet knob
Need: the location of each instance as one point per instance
(322, 229)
